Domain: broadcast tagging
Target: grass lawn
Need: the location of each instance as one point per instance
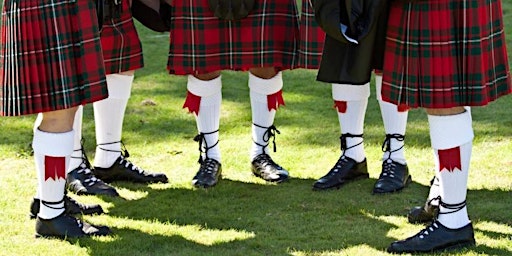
(243, 215)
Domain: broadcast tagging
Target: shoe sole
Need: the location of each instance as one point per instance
(338, 186)
(207, 187)
(454, 247)
(409, 180)
(272, 181)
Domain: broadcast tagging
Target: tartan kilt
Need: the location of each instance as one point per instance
(312, 38)
(122, 49)
(201, 43)
(50, 56)
(443, 69)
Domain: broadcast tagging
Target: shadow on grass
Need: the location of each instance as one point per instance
(275, 219)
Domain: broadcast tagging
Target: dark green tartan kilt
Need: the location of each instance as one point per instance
(445, 53)
(122, 49)
(312, 38)
(202, 43)
(50, 56)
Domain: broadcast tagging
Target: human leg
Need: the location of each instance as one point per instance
(204, 100)
(51, 159)
(265, 88)
(395, 172)
(110, 162)
(451, 136)
(350, 102)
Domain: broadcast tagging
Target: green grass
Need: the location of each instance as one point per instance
(243, 215)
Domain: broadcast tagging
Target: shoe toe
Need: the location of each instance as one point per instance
(93, 230)
(419, 215)
(390, 185)
(158, 178)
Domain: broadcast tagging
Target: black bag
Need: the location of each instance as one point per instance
(153, 14)
(231, 9)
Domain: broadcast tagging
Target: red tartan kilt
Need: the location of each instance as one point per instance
(122, 49)
(202, 43)
(312, 38)
(52, 63)
(443, 69)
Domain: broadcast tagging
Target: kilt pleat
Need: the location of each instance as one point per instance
(202, 43)
(50, 56)
(445, 53)
(122, 49)
(312, 38)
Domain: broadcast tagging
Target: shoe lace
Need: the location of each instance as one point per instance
(343, 142)
(270, 133)
(433, 226)
(388, 169)
(337, 167)
(451, 208)
(386, 145)
(203, 144)
(208, 166)
(54, 205)
(343, 146)
(123, 158)
(266, 160)
(428, 230)
(85, 166)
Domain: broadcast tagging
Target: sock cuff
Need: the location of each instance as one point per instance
(119, 86)
(53, 144)
(265, 86)
(203, 88)
(450, 131)
(348, 92)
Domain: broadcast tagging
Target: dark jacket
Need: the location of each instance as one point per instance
(345, 62)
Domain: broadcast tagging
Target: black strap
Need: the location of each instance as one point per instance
(269, 133)
(53, 205)
(343, 141)
(450, 207)
(386, 145)
(84, 158)
(124, 151)
(200, 138)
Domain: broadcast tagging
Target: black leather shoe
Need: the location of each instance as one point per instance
(346, 169)
(71, 207)
(435, 237)
(394, 177)
(423, 214)
(124, 170)
(82, 181)
(67, 226)
(264, 167)
(208, 175)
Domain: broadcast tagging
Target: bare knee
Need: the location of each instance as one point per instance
(445, 111)
(264, 73)
(208, 76)
(58, 121)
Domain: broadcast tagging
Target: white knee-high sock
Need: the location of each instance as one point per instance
(395, 122)
(434, 187)
(51, 155)
(452, 138)
(76, 156)
(262, 116)
(108, 117)
(351, 102)
(208, 117)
